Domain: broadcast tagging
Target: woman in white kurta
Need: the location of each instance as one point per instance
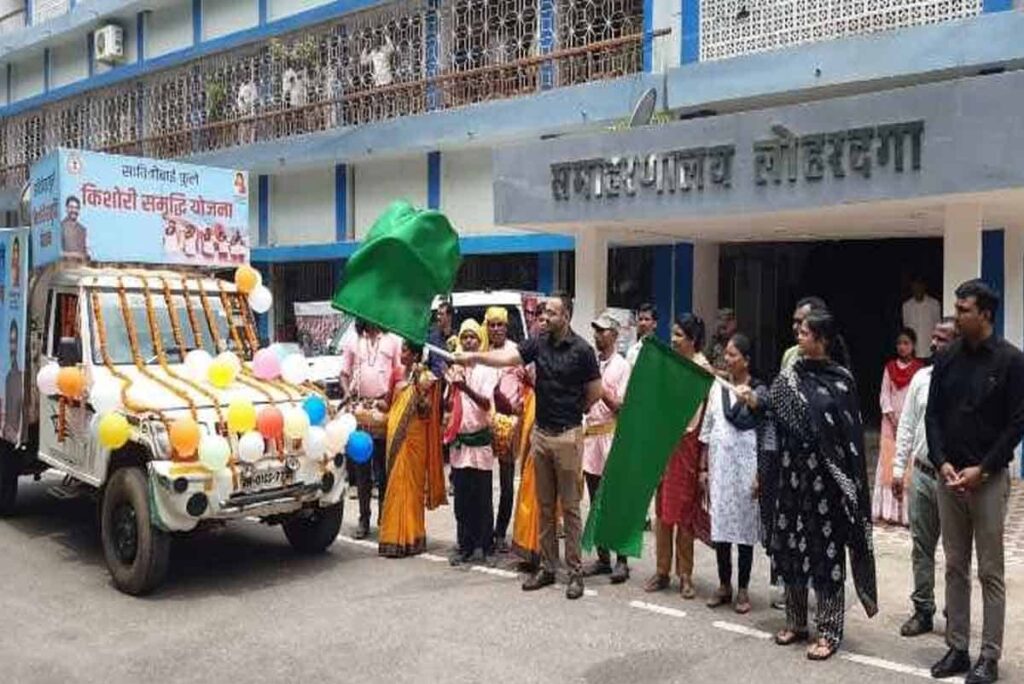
(729, 436)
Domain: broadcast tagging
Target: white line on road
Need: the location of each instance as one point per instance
(497, 572)
(655, 608)
(893, 667)
(358, 542)
(433, 558)
(741, 629)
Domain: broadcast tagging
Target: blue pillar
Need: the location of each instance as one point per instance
(433, 180)
(197, 22)
(684, 278)
(90, 51)
(46, 70)
(996, 5)
(661, 292)
(28, 12)
(10, 80)
(546, 271)
(648, 43)
(340, 202)
(140, 37)
(263, 210)
(263, 12)
(690, 43)
(993, 265)
(547, 10)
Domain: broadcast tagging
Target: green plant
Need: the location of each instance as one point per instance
(216, 99)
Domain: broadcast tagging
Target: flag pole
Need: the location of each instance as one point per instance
(443, 353)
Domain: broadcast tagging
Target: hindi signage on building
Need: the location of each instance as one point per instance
(110, 208)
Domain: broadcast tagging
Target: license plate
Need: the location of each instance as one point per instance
(267, 478)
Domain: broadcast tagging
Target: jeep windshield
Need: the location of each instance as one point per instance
(198, 327)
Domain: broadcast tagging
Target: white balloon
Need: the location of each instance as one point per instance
(316, 442)
(232, 360)
(214, 451)
(251, 447)
(348, 420)
(295, 369)
(260, 299)
(46, 379)
(337, 436)
(197, 364)
(105, 395)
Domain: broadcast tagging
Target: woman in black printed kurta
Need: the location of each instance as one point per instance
(822, 506)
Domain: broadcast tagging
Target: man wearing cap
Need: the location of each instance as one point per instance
(599, 429)
(508, 404)
(568, 384)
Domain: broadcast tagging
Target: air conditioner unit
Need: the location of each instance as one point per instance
(108, 42)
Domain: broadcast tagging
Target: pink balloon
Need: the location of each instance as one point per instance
(265, 365)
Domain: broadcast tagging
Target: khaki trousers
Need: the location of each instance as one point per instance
(977, 517)
(558, 466)
(683, 549)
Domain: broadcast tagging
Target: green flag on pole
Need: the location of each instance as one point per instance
(665, 390)
(409, 256)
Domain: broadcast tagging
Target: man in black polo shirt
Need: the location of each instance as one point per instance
(975, 418)
(568, 383)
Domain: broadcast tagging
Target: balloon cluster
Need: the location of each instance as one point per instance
(250, 283)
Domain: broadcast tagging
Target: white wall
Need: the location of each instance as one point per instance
(127, 22)
(27, 78)
(377, 184)
(467, 191)
(168, 29)
(3, 84)
(666, 49)
(705, 281)
(282, 8)
(254, 210)
(68, 62)
(221, 17)
(302, 207)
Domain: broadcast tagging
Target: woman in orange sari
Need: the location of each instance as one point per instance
(414, 461)
(526, 525)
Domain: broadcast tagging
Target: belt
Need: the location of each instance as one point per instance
(555, 431)
(926, 468)
(480, 438)
(599, 429)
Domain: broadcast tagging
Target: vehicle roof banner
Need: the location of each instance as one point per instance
(119, 209)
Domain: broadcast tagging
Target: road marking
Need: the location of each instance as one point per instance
(358, 542)
(433, 558)
(655, 608)
(741, 629)
(889, 665)
(497, 572)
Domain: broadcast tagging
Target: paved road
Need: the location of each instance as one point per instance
(240, 606)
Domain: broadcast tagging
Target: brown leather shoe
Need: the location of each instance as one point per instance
(686, 588)
(656, 583)
(539, 580)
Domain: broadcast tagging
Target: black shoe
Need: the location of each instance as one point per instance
(539, 580)
(953, 663)
(500, 545)
(363, 531)
(919, 623)
(985, 671)
(575, 588)
(459, 558)
(620, 574)
(598, 567)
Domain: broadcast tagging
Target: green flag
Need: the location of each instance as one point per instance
(409, 256)
(665, 390)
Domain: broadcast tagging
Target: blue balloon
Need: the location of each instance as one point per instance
(315, 408)
(359, 447)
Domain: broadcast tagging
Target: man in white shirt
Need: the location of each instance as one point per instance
(646, 324)
(921, 313)
(912, 443)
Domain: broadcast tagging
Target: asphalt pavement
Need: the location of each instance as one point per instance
(240, 606)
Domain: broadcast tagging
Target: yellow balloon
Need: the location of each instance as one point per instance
(113, 431)
(221, 374)
(241, 416)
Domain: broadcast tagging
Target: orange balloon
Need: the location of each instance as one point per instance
(270, 422)
(184, 437)
(247, 279)
(71, 383)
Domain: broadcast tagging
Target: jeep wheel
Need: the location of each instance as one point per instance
(136, 552)
(10, 469)
(313, 530)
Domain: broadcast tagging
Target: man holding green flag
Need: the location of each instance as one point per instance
(665, 390)
(568, 384)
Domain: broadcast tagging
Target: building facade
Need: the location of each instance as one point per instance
(832, 147)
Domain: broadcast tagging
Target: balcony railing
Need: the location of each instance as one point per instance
(397, 60)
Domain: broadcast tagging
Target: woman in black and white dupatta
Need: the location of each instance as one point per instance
(821, 504)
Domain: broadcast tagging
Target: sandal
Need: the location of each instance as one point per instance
(722, 596)
(742, 606)
(656, 583)
(821, 650)
(788, 637)
(686, 589)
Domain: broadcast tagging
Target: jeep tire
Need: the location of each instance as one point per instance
(314, 529)
(136, 551)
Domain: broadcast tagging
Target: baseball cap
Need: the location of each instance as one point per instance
(605, 322)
